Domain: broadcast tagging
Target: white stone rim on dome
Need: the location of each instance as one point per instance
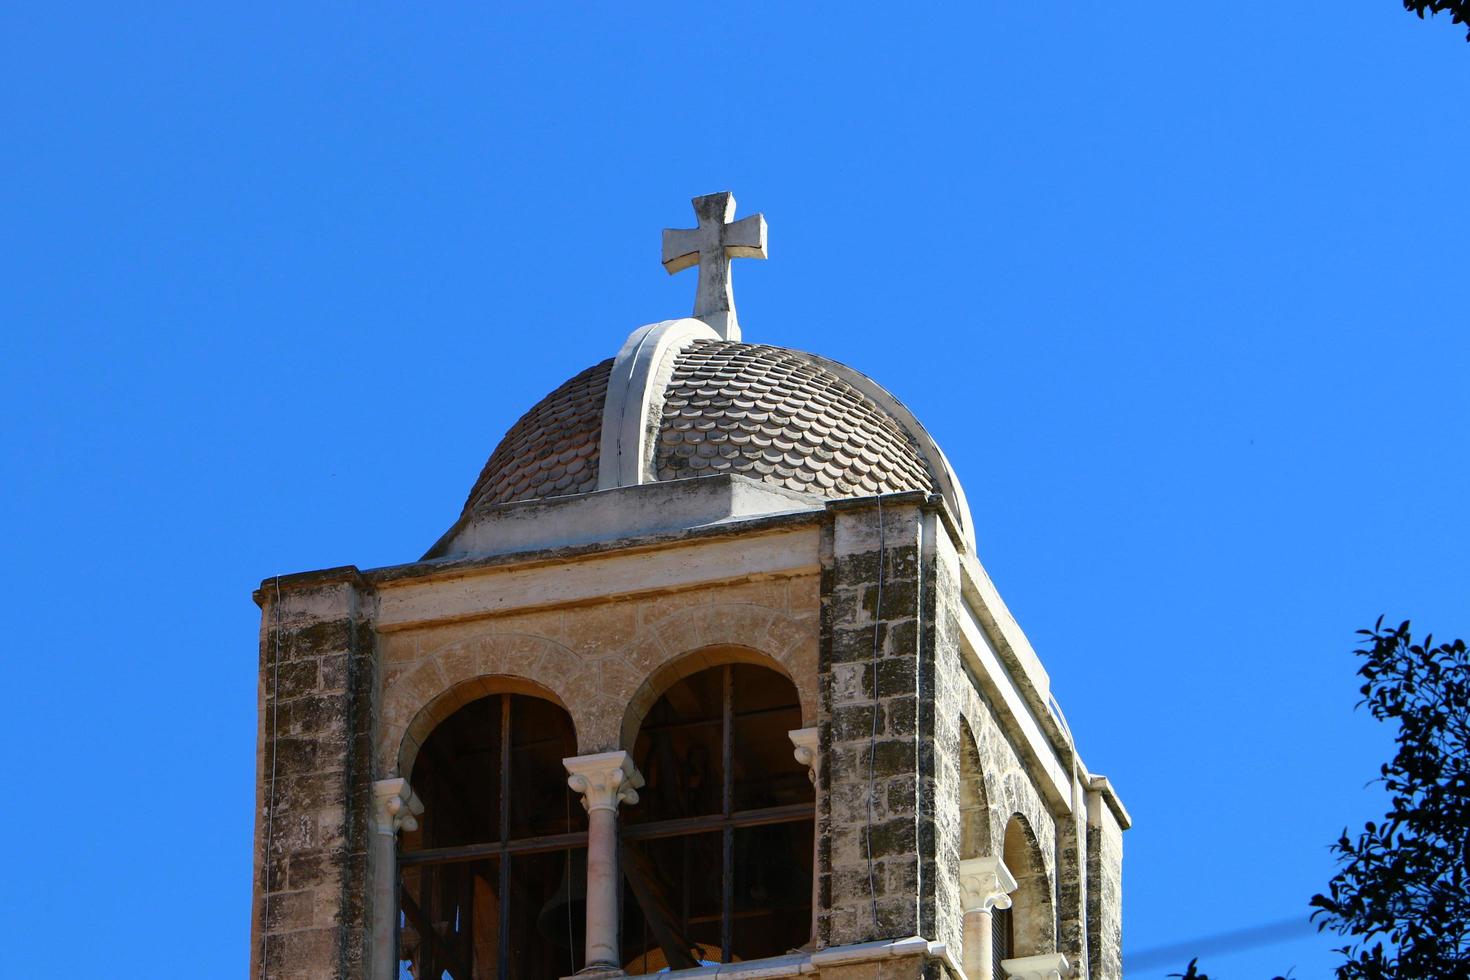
(633, 407)
(944, 475)
(634, 400)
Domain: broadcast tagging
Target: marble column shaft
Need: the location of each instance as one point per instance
(985, 884)
(805, 743)
(395, 808)
(604, 780)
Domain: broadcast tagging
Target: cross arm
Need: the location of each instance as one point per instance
(746, 238)
(681, 248)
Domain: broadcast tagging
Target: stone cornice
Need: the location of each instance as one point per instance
(1103, 787)
(450, 568)
(295, 581)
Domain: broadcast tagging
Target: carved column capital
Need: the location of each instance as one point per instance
(1049, 966)
(395, 806)
(985, 884)
(807, 752)
(604, 780)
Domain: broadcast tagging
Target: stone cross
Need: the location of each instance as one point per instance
(711, 246)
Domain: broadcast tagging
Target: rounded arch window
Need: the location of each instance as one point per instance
(491, 884)
(717, 853)
(1029, 924)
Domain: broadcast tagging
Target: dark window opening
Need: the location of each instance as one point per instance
(1002, 939)
(493, 882)
(717, 853)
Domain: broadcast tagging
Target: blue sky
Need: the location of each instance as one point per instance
(1179, 288)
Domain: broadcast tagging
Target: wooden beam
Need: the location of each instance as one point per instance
(651, 893)
(410, 908)
(790, 813)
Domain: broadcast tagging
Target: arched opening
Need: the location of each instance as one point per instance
(669, 674)
(1029, 924)
(717, 853)
(974, 806)
(490, 885)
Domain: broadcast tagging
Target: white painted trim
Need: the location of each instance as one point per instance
(624, 451)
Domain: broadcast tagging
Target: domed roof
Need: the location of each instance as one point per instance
(679, 402)
(772, 414)
(552, 450)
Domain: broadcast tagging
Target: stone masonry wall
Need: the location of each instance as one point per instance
(313, 784)
(876, 811)
(1104, 889)
(952, 684)
(604, 661)
(1009, 788)
(1072, 885)
(344, 703)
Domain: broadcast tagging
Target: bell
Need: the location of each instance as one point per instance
(566, 907)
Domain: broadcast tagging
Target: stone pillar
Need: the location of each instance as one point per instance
(1049, 966)
(1106, 821)
(313, 887)
(985, 884)
(604, 780)
(809, 754)
(395, 808)
(877, 708)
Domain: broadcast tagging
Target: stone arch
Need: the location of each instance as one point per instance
(1009, 785)
(975, 837)
(673, 671)
(450, 701)
(418, 698)
(739, 631)
(1032, 910)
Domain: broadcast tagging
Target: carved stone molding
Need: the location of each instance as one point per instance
(985, 884)
(807, 752)
(395, 806)
(1049, 966)
(604, 780)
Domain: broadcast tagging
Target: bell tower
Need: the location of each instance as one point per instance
(705, 676)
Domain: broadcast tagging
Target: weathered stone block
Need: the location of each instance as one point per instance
(291, 910)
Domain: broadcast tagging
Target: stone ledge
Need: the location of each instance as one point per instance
(798, 964)
(295, 581)
(617, 513)
(1102, 786)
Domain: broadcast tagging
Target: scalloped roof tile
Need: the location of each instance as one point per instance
(552, 451)
(802, 427)
(764, 412)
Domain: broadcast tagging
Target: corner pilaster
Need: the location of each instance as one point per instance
(876, 817)
(313, 891)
